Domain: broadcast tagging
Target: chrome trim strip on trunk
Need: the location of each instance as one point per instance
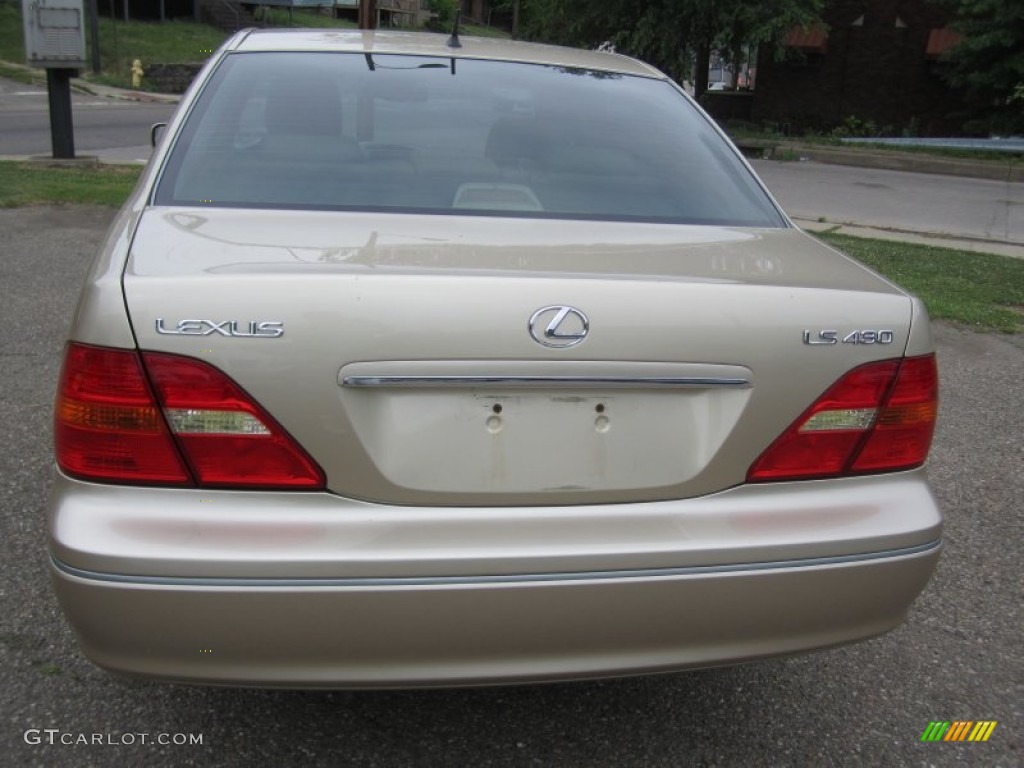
(445, 581)
(614, 382)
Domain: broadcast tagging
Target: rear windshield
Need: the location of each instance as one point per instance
(375, 132)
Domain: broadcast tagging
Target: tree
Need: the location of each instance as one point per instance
(443, 14)
(658, 31)
(677, 36)
(742, 23)
(989, 63)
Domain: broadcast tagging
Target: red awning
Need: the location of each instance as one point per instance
(940, 41)
(812, 39)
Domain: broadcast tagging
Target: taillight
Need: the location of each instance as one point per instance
(227, 439)
(879, 417)
(107, 426)
(163, 419)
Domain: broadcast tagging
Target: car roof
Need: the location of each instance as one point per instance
(433, 44)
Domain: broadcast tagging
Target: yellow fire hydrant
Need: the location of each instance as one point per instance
(137, 73)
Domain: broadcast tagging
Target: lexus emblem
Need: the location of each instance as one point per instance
(559, 326)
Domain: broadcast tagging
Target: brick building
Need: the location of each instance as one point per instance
(872, 60)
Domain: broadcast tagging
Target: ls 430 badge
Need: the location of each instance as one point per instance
(853, 337)
(259, 329)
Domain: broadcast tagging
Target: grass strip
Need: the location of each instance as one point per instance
(279, 17)
(30, 184)
(22, 75)
(979, 290)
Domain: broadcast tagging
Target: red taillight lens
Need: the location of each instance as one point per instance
(193, 426)
(877, 418)
(107, 426)
(227, 439)
(903, 432)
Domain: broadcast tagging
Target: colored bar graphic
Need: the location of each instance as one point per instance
(935, 730)
(959, 730)
(982, 730)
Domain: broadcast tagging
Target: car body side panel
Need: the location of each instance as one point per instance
(100, 316)
(920, 342)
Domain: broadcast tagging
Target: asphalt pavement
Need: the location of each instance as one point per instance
(102, 121)
(958, 657)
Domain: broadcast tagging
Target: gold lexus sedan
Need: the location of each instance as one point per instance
(423, 362)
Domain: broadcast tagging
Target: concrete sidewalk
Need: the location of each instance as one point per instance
(905, 236)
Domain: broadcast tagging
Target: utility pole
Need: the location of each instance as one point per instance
(94, 35)
(367, 14)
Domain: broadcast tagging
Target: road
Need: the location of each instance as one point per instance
(99, 123)
(959, 656)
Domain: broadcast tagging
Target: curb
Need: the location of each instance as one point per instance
(110, 92)
(97, 89)
(936, 239)
(914, 162)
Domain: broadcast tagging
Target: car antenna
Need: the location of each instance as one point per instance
(453, 41)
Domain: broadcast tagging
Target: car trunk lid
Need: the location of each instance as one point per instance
(442, 359)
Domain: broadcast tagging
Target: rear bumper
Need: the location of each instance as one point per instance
(311, 590)
(405, 633)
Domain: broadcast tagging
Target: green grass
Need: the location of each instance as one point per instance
(121, 43)
(168, 42)
(478, 30)
(278, 17)
(981, 291)
(29, 184)
(23, 75)
(171, 42)
(12, 34)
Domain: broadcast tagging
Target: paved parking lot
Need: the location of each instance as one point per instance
(959, 657)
